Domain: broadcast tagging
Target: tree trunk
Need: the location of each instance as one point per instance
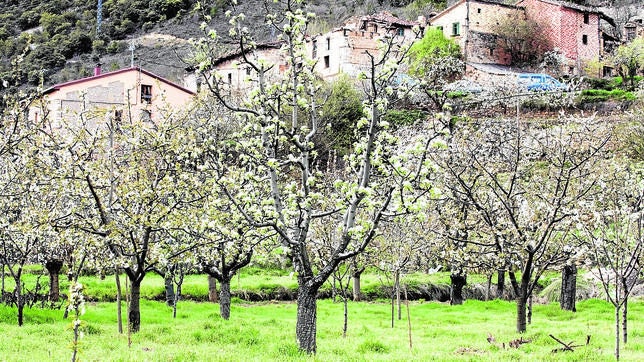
(19, 300)
(345, 300)
(397, 286)
(529, 317)
(568, 288)
(224, 299)
(456, 293)
(134, 309)
(488, 288)
(624, 321)
(513, 282)
(212, 289)
(522, 296)
(357, 293)
(617, 316)
(500, 283)
(306, 326)
(521, 314)
(169, 290)
(53, 268)
(119, 297)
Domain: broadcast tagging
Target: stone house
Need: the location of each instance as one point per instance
(131, 90)
(634, 28)
(339, 51)
(343, 50)
(235, 74)
(574, 30)
(471, 24)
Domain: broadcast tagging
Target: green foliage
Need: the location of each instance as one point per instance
(404, 117)
(433, 47)
(629, 60)
(341, 111)
(69, 29)
(609, 84)
(601, 95)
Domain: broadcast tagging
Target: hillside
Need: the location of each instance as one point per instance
(59, 40)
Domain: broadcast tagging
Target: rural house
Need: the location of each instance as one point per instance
(235, 75)
(634, 28)
(340, 51)
(343, 50)
(574, 30)
(471, 24)
(132, 90)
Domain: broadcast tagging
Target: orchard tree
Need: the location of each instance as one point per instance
(629, 60)
(130, 184)
(401, 240)
(28, 199)
(612, 226)
(523, 39)
(530, 180)
(284, 193)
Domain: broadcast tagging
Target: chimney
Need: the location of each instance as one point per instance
(97, 69)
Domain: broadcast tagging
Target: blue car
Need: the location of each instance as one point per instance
(536, 82)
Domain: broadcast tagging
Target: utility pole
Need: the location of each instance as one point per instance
(99, 17)
(131, 49)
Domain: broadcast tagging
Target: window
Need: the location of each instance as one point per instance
(400, 32)
(478, 10)
(118, 115)
(586, 18)
(146, 93)
(248, 70)
(327, 62)
(456, 29)
(584, 39)
(230, 78)
(328, 43)
(314, 52)
(491, 52)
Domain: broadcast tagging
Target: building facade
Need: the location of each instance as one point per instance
(132, 90)
(471, 23)
(573, 30)
(344, 50)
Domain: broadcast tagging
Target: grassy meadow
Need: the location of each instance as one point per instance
(266, 331)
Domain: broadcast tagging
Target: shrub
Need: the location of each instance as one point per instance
(404, 117)
(601, 95)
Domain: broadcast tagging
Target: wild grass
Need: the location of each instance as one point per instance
(265, 332)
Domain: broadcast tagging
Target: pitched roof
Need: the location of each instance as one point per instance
(110, 74)
(580, 8)
(389, 19)
(238, 53)
(456, 4)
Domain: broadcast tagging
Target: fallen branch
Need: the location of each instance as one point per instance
(567, 346)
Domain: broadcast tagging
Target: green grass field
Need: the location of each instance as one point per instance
(266, 331)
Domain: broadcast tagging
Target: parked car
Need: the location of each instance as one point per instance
(537, 82)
